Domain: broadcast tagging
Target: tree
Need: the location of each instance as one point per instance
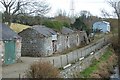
(85, 20)
(61, 12)
(105, 14)
(116, 6)
(79, 24)
(86, 17)
(16, 7)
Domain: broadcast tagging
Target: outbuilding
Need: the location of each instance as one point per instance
(38, 41)
(10, 45)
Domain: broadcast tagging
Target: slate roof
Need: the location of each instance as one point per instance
(66, 30)
(6, 33)
(45, 31)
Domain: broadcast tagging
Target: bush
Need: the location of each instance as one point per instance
(115, 45)
(42, 69)
(53, 24)
(66, 24)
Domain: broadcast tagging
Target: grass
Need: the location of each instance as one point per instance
(18, 27)
(95, 63)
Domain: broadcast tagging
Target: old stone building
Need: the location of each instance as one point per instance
(38, 41)
(43, 41)
(10, 45)
(69, 39)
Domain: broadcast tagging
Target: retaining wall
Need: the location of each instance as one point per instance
(79, 66)
(71, 57)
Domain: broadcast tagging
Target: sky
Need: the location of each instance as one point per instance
(94, 6)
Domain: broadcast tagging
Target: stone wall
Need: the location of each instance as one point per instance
(2, 51)
(48, 48)
(73, 56)
(65, 42)
(75, 69)
(18, 50)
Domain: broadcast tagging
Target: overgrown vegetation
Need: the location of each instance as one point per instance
(102, 67)
(114, 42)
(42, 69)
(57, 25)
(53, 24)
(79, 24)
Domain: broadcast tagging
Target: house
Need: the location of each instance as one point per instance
(10, 45)
(38, 41)
(103, 26)
(69, 38)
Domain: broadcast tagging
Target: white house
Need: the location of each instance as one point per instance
(103, 26)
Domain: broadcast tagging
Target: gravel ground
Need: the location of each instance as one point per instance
(13, 70)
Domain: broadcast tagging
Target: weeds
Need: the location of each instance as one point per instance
(42, 69)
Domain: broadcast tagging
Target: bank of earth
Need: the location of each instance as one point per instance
(102, 67)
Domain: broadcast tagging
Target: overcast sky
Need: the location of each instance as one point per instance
(94, 6)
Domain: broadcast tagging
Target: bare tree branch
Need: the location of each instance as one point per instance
(13, 7)
(114, 5)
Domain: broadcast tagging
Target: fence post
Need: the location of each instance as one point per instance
(81, 53)
(19, 76)
(53, 62)
(85, 52)
(73, 57)
(61, 60)
(67, 58)
(77, 56)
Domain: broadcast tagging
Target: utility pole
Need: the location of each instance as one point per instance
(72, 12)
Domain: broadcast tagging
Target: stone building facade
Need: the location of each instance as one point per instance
(43, 41)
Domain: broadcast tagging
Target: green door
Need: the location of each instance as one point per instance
(9, 52)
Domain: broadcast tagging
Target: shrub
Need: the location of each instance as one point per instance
(42, 69)
(54, 24)
(115, 45)
(66, 24)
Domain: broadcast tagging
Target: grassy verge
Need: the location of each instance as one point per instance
(95, 64)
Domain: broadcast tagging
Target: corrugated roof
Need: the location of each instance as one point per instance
(66, 30)
(44, 30)
(6, 33)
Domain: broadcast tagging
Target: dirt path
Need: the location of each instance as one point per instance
(13, 71)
